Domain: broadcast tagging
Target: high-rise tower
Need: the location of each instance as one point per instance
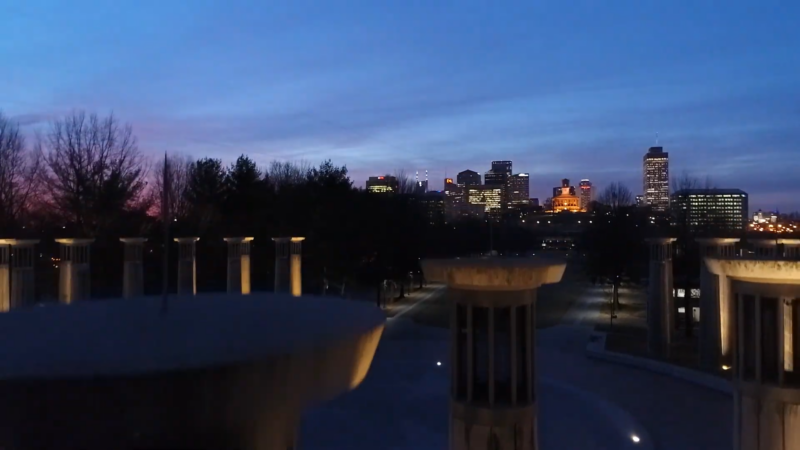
(586, 194)
(655, 171)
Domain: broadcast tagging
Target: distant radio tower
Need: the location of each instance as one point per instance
(426, 174)
(416, 176)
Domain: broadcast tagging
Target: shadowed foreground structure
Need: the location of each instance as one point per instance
(493, 367)
(213, 372)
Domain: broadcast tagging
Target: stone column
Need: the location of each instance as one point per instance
(133, 267)
(239, 265)
(23, 281)
(5, 274)
(74, 270)
(765, 248)
(660, 304)
(711, 304)
(288, 265)
(493, 401)
(187, 267)
(791, 248)
(766, 368)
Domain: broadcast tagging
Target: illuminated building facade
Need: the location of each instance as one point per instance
(640, 200)
(565, 200)
(519, 190)
(707, 209)
(655, 169)
(384, 184)
(490, 197)
(499, 176)
(468, 178)
(586, 194)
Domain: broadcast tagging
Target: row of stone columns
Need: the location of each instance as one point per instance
(716, 314)
(17, 268)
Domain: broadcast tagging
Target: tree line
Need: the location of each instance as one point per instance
(84, 176)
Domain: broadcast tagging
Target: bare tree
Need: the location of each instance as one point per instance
(405, 185)
(616, 196)
(19, 175)
(688, 181)
(178, 167)
(95, 172)
(286, 173)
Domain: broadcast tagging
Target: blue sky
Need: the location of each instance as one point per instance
(574, 89)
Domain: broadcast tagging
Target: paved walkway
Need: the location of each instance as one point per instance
(584, 404)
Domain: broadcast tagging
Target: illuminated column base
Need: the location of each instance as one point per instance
(133, 267)
(239, 265)
(713, 326)
(288, 265)
(187, 267)
(493, 401)
(660, 314)
(74, 281)
(23, 284)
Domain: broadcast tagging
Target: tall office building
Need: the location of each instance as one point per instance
(586, 194)
(420, 186)
(468, 178)
(711, 209)
(383, 185)
(519, 190)
(489, 197)
(656, 178)
(499, 175)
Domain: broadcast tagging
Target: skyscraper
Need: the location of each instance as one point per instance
(499, 177)
(655, 168)
(468, 178)
(586, 194)
(519, 190)
(421, 186)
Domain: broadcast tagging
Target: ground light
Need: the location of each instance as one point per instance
(438, 363)
(635, 439)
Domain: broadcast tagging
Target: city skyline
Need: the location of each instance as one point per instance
(381, 87)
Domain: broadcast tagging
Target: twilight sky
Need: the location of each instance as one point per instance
(572, 88)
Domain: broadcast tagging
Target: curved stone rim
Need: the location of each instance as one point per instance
(756, 270)
(131, 337)
(494, 274)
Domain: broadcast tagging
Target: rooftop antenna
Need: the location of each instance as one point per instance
(426, 174)
(416, 176)
(656, 138)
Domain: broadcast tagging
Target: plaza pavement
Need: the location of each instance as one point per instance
(584, 404)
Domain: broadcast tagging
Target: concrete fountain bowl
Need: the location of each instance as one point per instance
(212, 372)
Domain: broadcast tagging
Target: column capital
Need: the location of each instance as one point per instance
(186, 240)
(237, 240)
(713, 241)
(661, 240)
(765, 242)
(75, 241)
(19, 242)
(133, 240)
(490, 274)
(288, 239)
(756, 270)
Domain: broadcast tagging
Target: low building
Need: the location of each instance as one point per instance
(710, 209)
(434, 207)
(383, 184)
(519, 190)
